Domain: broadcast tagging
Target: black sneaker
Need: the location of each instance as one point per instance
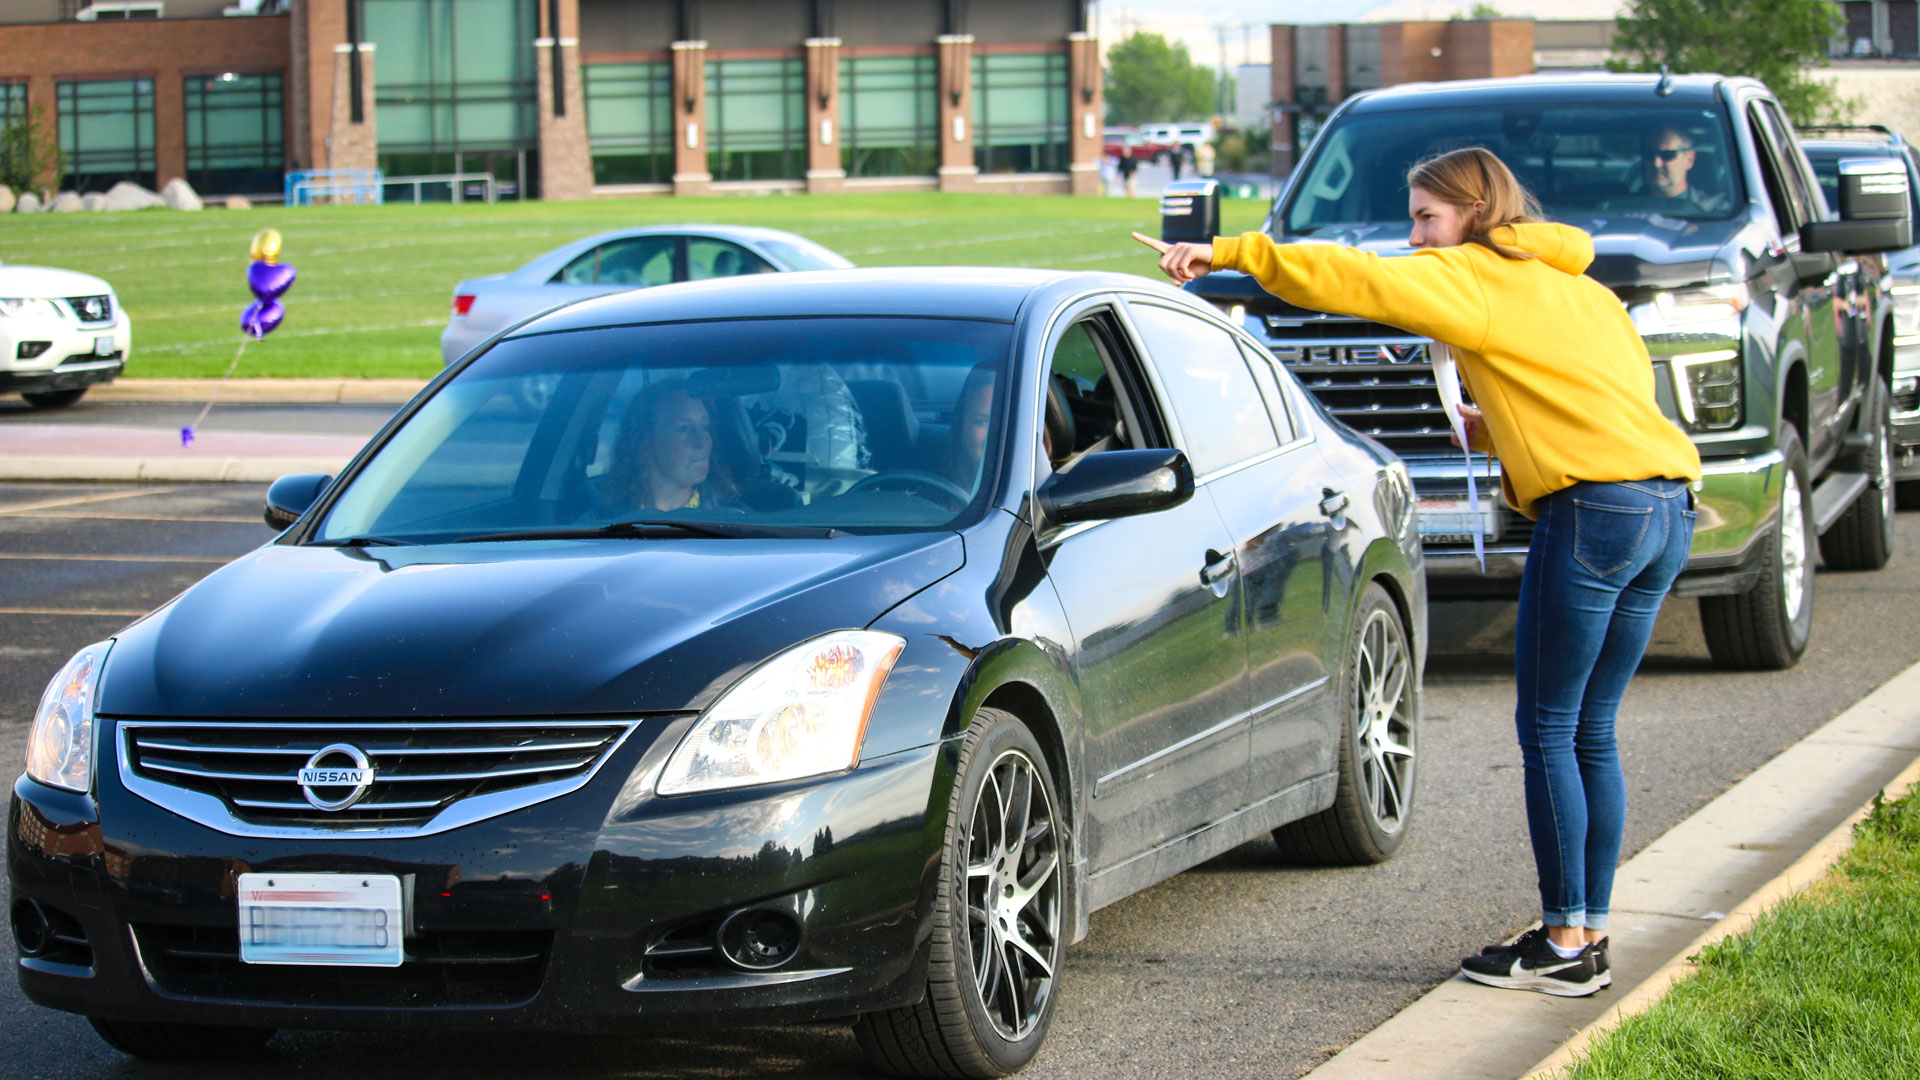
(1602, 963)
(1531, 964)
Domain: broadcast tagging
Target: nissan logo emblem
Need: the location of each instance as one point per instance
(336, 768)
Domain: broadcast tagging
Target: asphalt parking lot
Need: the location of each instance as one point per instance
(1238, 968)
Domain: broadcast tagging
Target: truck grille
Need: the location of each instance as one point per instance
(423, 776)
(1375, 378)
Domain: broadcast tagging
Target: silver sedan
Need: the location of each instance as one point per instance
(614, 261)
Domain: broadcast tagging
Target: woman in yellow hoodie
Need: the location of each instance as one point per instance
(1564, 389)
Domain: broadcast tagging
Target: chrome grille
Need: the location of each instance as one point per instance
(92, 309)
(244, 777)
(1377, 379)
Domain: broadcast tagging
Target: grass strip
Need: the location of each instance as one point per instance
(1826, 986)
(375, 281)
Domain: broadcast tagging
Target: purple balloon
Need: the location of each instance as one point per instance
(261, 317)
(269, 280)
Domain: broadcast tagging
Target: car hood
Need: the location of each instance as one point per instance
(45, 281)
(1629, 252)
(537, 628)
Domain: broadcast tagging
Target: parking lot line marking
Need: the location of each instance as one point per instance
(115, 612)
(145, 517)
(134, 494)
(30, 557)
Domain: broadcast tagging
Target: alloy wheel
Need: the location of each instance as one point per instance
(1385, 726)
(1795, 565)
(1013, 895)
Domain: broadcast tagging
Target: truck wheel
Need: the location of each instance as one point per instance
(1766, 628)
(179, 1042)
(1863, 537)
(1373, 803)
(53, 399)
(999, 919)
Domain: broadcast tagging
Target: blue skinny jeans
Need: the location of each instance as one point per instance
(1602, 559)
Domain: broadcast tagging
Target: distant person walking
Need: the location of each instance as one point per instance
(1128, 165)
(1566, 401)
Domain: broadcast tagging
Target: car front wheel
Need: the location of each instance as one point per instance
(53, 399)
(1863, 537)
(999, 919)
(1767, 627)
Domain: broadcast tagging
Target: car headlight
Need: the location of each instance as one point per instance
(60, 749)
(802, 713)
(1703, 304)
(25, 306)
(1706, 387)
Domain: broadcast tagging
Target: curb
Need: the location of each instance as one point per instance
(1767, 836)
(259, 391)
(261, 470)
(1809, 869)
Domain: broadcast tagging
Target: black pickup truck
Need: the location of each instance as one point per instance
(1769, 329)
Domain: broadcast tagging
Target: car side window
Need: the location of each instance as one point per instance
(637, 260)
(717, 259)
(1785, 186)
(1092, 402)
(1223, 417)
(1268, 376)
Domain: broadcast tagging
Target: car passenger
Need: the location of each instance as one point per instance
(662, 457)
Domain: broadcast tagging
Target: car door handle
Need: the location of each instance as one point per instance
(1332, 502)
(1216, 571)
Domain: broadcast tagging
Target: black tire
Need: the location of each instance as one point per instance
(1761, 629)
(180, 1042)
(959, 1028)
(1379, 747)
(1863, 537)
(53, 399)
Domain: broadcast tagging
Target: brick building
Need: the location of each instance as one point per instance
(564, 98)
(1315, 67)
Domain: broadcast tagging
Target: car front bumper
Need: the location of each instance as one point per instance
(1737, 500)
(598, 910)
(66, 355)
(1906, 413)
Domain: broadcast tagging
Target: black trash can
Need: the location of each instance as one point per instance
(1190, 211)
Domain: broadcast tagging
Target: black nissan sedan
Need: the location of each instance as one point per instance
(827, 646)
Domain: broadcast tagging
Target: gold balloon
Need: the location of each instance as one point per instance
(266, 246)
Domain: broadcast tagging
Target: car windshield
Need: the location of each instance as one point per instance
(805, 426)
(1669, 162)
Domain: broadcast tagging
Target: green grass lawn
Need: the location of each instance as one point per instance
(1826, 986)
(375, 281)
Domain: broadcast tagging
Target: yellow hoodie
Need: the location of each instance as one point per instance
(1561, 377)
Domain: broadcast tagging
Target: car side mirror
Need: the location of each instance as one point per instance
(1874, 211)
(290, 496)
(1116, 483)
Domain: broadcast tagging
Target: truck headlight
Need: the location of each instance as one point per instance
(802, 713)
(1706, 387)
(60, 748)
(1703, 304)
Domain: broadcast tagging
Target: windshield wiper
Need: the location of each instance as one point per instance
(364, 541)
(724, 530)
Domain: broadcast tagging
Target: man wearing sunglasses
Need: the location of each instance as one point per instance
(1665, 161)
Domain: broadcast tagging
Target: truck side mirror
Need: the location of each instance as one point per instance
(1874, 210)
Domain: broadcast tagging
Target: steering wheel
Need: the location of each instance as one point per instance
(913, 480)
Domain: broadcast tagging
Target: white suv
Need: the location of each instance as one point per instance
(1185, 137)
(60, 332)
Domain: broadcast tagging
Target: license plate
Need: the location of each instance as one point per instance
(331, 919)
(1452, 521)
(103, 345)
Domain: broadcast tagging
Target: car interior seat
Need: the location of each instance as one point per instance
(893, 431)
(726, 263)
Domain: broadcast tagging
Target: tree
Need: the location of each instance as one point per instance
(1151, 80)
(1478, 13)
(30, 156)
(1774, 41)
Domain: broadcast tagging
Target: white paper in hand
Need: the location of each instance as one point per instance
(1446, 378)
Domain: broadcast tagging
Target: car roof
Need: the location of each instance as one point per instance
(1567, 89)
(1832, 148)
(957, 292)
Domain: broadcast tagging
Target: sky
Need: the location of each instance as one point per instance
(1245, 22)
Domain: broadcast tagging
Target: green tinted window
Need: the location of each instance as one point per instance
(13, 102)
(106, 130)
(889, 115)
(630, 122)
(234, 139)
(756, 119)
(453, 79)
(1020, 112)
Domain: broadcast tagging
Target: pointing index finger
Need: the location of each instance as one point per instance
(1157, 245)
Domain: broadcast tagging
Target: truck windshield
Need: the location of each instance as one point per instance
(1671, 162)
